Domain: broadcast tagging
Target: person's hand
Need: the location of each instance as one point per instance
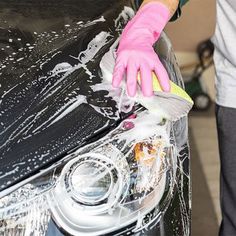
(136, 54)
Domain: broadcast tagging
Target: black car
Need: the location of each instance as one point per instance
(76, 156)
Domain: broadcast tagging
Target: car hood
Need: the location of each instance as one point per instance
(51, 98)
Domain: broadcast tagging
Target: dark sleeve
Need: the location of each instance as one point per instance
(178, 11)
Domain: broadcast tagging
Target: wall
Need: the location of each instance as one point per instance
(197, 23)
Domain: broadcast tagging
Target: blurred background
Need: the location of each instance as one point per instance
(189, 36)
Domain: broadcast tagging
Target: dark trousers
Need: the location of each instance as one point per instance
(226, 127)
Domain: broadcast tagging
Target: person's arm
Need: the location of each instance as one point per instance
(172, 5)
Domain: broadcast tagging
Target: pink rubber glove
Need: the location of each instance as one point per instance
(135, 52)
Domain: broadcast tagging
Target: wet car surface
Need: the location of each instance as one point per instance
(52, 102)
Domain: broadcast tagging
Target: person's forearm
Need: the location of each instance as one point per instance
(172, 5)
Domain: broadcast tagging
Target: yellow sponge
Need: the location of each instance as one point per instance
(171, 105)
(174, 89)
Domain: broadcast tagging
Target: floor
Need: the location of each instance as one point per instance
(205, 173)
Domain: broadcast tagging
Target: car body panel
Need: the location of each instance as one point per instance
(49, 106)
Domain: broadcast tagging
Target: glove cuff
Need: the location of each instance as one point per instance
(146, 26)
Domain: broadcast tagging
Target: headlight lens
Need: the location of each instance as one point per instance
(98, 188)
(125, 177)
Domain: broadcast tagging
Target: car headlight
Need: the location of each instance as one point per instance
(125, 178)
